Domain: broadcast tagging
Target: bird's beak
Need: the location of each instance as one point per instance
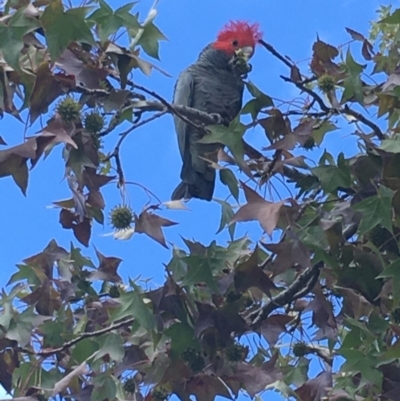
(245, 52)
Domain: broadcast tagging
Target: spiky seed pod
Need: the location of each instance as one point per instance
(232, 296)
(69, 110)
(193, 358)
(326, 83)
(130, 385)
(41, 397)
(93, 122)
(97, 142)
(121, 217)
(160, 393)
(236, 352)
(396, 315)
(309, 144)
(114, 292)
(383, 239)
(300, 349)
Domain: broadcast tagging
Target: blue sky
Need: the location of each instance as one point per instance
(150, 154)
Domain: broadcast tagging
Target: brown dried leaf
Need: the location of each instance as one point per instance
(15, 166)
(206, 387)
(295, 75)
(288, 142)
(45, 90)
(45, 298)
(255, 379)
(249, 274)
(95, 199)
(367, 50)
(60, 131)
(82, 231)
(107, 270)
(45, 259)
(273, 327)
(95, 181)
(304, 130)
(315, 389)
(151, 224)
(322, 315)
(324, 51)
(355, 35)
(275, 125)
(257, 208)
(289, 253)
(86, 73)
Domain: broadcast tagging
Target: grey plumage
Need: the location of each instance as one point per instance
(211, 85)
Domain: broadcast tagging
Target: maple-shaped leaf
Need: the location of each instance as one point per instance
(107, 270)
(255, 379)
(257, 208)
(47, 88)
(322, 316)
(206, 387)
(317, 388)
(84, 68)
(250, 274)
(63, 27)
(273, 327)
(150, 224)
(289, 253)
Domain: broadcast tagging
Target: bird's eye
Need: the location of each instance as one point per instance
(235, 43)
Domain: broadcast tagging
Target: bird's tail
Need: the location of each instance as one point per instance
(199, 188)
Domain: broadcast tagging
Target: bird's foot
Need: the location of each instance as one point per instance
(217, 118)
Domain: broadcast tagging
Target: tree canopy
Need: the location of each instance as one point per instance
(72, 329)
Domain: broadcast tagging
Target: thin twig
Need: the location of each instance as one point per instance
(76, 340)
(167, 105)
(275, 53)
(364, 120)
(310, 92)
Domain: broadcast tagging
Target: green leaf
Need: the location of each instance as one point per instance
(394, 18)
(332, 177)
(109, 22)
(324, 128)
(391, 145)
(229, 136)
(393, 270)
(11, 36)
(199, 270)
(376, 210)
(260, 101)
(104, 388)
(148, 38)
(227, 214)
(6, 316)
(182, 337)
(228, 178)
(111, 344)
(352, 84)
(84, 349)
(258, 94)
(132, 304)
(63, 27)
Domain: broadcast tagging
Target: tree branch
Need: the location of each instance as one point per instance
(76, 340)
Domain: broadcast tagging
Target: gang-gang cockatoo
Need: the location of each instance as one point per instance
(213, 84)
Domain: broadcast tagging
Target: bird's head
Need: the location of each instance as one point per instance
(238, 39)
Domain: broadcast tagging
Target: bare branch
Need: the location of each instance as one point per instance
(76, 340)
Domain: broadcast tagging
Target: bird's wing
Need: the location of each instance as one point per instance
(183, 95)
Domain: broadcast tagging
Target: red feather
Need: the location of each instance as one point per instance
(241, 31)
